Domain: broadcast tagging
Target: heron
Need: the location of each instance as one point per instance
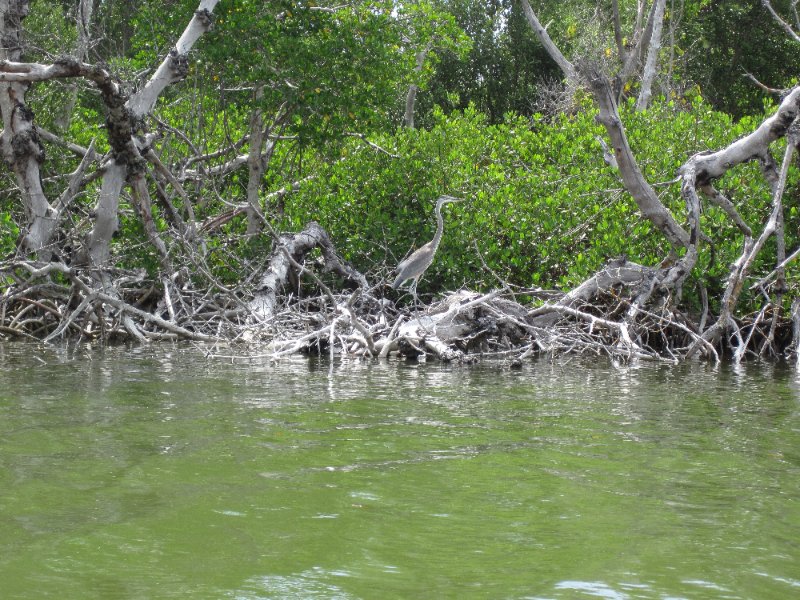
(415, 265)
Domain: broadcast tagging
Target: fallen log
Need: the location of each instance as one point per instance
(290, 253)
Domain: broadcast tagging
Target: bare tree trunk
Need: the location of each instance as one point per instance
(411, 96)
(674, 20)
(635, 183)
(174, 67)
(127, 162)
(541, 33)
(106, 224)
(289, 253)
(141, 196)
(19, 141)
(643, 194)
(642, 39)
(702, 168)
(649, 73)
(83, 21)
(622, 53)
(255, 165)
(790, 31)
(640, 10)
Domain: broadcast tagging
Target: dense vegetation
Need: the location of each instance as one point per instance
(317, 92)
(544, 210)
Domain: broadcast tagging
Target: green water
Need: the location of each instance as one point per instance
(161, 473)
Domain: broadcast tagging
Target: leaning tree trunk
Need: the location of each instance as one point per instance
(697, 176)
(649, 72)
(544, 38)
(289, 254)
(127, 163)
(643, 194)
(21, 148)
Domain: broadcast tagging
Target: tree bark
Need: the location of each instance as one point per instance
(411, 96)
(19, 141)
(127, 163)
(742, 266)
(642, 39)
(622, 53)
(544, 38)
(83, 21)
(257, 161)
(649, 72)
(106, 223)
(292, 249)
(617, 272)
(643, 194)
(255, 165)
(173, 68)
(784, 25)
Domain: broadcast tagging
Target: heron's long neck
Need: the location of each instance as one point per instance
(439, 228)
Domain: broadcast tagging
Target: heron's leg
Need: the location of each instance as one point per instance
(416, 298)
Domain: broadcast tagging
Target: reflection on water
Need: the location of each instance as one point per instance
(314, 583)
(166, 473)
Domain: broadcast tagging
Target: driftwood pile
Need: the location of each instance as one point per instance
(618, 312)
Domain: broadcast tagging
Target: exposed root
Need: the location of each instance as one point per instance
(52, 301)
(621, 312)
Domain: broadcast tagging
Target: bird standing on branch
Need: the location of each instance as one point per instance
(415, 265)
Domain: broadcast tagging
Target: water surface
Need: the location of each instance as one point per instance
(163, 472)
